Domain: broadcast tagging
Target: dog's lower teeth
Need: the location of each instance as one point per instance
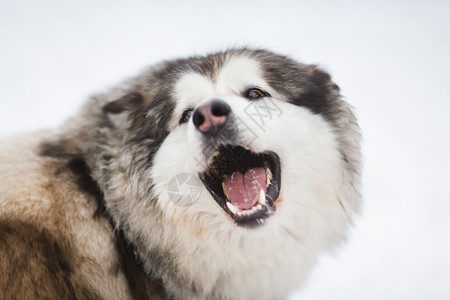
(262, 198)
(232, 208)
(247, 212)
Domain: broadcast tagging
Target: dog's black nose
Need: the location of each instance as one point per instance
(211, 116)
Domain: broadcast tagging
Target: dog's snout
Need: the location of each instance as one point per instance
(211, 116)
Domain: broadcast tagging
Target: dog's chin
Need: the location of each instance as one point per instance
(245, 184)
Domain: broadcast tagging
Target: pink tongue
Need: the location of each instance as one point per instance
(243, 190)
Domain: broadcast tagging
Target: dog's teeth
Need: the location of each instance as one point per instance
(269, 176)
(259, 206)
(224, 189)
(216, 153)
(232, 208)
(239, 213)
(262, 198)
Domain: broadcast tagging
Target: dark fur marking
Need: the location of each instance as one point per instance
(58, 149)
(81, 176)
(36, 265)
(150, 130)
(141, 285)
(303, 85)
(74, 168)
(319, 95)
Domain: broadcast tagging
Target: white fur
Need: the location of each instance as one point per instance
(309, 216)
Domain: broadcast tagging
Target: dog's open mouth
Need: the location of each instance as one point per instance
(243, 183)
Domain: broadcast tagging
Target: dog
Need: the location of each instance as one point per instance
(223, 176)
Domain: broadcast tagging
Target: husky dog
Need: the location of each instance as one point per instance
(215, 177)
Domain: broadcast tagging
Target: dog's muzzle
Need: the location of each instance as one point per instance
(245, 184)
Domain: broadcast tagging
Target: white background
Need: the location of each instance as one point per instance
(390, 58)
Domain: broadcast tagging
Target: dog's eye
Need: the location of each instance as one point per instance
(186, 115)
(254, 94)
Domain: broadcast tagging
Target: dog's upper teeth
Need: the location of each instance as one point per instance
(232, 208)
(262, 197)
(224, 189)
(269, 176)
(216, 153)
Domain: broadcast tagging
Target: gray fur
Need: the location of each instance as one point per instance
(118, 134)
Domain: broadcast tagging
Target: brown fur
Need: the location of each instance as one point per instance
(46, 219)
(37, 265)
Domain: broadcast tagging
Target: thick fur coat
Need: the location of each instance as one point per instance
(86, 210)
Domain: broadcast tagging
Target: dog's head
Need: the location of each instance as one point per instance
(244, 149)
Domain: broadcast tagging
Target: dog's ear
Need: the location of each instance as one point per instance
(125, 103)
(120, 111)
(321, 79)
(320, 93)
